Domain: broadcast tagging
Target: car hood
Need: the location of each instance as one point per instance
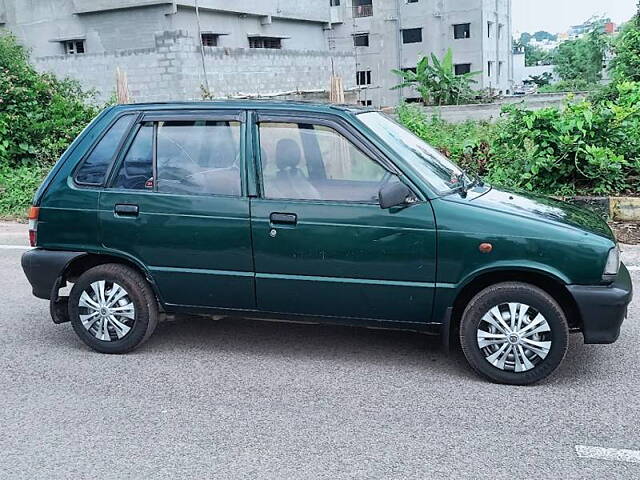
(542, 208)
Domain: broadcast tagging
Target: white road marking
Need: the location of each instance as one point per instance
(611, 454)
(14, 247)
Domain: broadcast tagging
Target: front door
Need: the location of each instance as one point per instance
(176, 204)
(322, 244)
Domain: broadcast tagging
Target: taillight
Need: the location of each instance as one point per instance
(33, 225)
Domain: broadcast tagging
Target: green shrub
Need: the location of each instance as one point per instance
(585, 148)
(17, 185)
(40, 116)
(577, 85)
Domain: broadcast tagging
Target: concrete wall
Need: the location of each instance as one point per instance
(491, 111)
(171, 69)
(522, 72)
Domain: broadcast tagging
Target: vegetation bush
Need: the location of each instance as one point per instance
(626, 63)
(436, 81)
(585, 148)
(40, 116)
(576, 85)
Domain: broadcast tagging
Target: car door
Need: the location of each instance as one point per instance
(322, 244)
(176, 203)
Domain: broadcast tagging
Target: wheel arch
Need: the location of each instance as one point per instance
(81, 264)
(551, 284)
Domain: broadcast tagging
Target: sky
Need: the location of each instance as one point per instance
(558, 15)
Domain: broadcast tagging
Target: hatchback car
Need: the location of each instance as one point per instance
(315, 212)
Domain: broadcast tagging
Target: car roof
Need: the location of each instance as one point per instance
(289, 105)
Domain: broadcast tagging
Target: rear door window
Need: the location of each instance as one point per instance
(199, 157)
(95, 166)
(192, 157)
(136, 171)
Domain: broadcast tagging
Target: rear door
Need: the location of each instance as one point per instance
(322, 244)
(176, 203)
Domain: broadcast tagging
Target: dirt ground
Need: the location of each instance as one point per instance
(627, 232)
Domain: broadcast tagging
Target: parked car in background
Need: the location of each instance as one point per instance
(313, 212)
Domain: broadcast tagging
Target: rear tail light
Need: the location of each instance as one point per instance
(33, 225)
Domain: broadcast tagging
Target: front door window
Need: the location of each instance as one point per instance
(303, 161)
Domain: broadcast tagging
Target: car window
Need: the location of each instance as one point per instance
(136, 171)
(94, 167)
(199, 157)
(314, 162)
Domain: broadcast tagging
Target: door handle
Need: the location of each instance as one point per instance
(126, 210)
(283, 219)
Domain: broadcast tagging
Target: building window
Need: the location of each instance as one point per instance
(74, 47)
(462, 68)
(361, 40)
(334, 3)
(500, 28)
(410, 69)
(362, 8)
(265, 42)
(489, 29)
(462, 30)
(412, 35)
(489, 69)
(412, 1)
(500, 68)
(363, 77)
(209, 40)
(365, 103)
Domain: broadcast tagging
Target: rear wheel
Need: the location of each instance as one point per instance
(112, 308)
(514, 333)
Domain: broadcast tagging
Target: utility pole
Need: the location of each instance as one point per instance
(204, 65)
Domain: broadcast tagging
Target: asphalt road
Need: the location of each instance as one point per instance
(243, 399)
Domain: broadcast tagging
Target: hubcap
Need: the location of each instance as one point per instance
(514, 337)
(106, 311)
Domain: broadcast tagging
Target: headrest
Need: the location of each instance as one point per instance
(288, 154)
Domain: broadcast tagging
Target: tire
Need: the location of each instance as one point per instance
(501, 354)
(134, 316)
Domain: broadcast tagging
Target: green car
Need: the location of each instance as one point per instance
(313, 212)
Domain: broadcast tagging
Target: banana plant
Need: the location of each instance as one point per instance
(436, 81)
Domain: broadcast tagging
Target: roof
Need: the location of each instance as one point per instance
(291, 105)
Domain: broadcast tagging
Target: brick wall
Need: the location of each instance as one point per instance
(172, 69)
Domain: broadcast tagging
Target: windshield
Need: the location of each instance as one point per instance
(436, 169)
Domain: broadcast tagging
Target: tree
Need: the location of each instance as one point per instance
(581, 58)
(626, 64)
(437, 82)
(542, 35)
(536, 56)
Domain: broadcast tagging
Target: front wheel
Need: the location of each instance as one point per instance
(112, 308)
(514, 333)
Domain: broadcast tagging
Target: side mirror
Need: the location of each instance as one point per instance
(394, 193)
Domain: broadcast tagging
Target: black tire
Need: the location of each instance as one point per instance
(139, 293)
(538, 300)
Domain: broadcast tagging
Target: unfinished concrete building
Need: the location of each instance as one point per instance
(394, 34)
(260, 46)
(250, 46)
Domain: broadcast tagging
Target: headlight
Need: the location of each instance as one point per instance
(613, 264)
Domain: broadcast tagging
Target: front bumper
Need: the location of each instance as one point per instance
(603, 308)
